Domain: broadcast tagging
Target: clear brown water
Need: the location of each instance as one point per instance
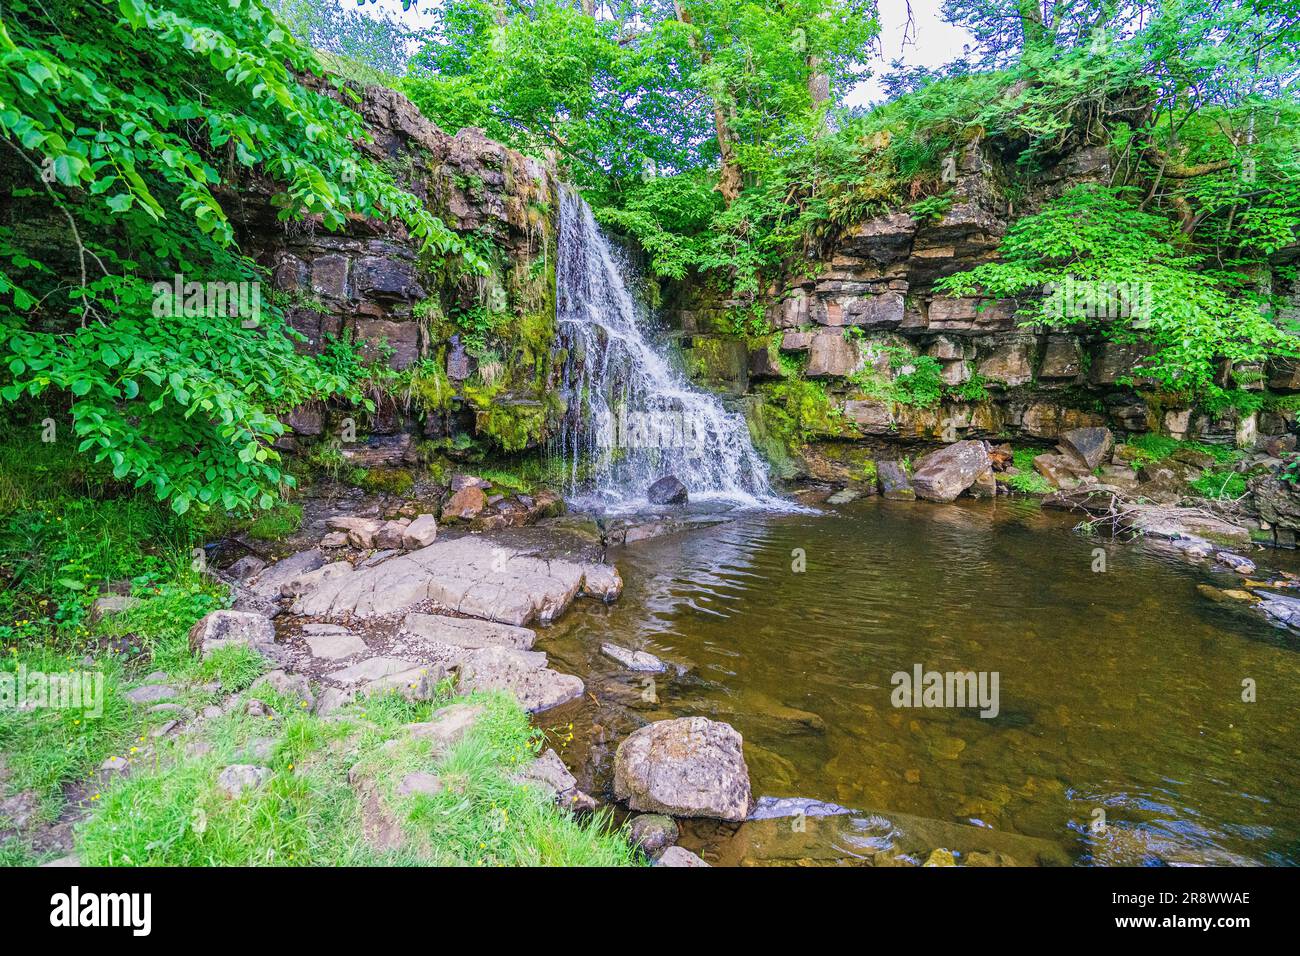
(1118, 690)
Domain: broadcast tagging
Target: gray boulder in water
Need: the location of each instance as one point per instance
(667, 491)
(944, 474)
(689, 767)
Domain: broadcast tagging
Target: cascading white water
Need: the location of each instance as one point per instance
(632, 416)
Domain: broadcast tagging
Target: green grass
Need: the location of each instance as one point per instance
(235, 666)
(1219, 484)
(279, 522)
(1151, 448)
(307, 814)
(161, 621)
(45, 749)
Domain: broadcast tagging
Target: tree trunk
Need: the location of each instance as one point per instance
(729, 176)
(1035, 33)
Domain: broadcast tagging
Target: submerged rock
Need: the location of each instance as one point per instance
(944, 474)
(676, 856)
(652, 832)
(772, 808)
(1282, 610)
(634, 660)
(667, 491)
(689, 767)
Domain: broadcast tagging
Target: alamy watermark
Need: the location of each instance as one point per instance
(657, 429)
(37, 690)
(922, 688)
(1089, 299)
(213, 300)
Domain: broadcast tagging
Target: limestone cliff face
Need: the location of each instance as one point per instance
(875, 292)
(369, 283)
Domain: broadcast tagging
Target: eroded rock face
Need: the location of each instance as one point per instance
(944, 474)
(468, 575)
(689, 767)
(1277, 501)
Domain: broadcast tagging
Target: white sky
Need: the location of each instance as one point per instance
(932, 44)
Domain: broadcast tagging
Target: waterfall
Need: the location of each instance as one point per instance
(632, 416)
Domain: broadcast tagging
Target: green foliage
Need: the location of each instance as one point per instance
(914, 380)
(1026, 480)
(974, 389)
(1094, 240)
(126, 122)
(159, 624)
(276, 523)
(932, 208)
(917, 380)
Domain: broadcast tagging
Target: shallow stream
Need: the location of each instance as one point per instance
(1120, 690)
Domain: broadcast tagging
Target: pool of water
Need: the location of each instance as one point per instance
(1119, 690)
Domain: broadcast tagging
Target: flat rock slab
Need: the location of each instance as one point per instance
(523, 673)
(150, 694)
(333, 647)
(676, 856)
(468, 575)
(468, 632)
(371, 669)
(268, 583)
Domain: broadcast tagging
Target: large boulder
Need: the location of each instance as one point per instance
(944, 474)
(668, 490)
(689, 767)
(1091, 446)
